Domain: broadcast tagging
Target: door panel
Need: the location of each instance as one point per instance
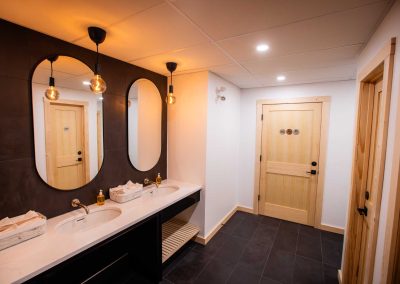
(290, 142)
(65, 136)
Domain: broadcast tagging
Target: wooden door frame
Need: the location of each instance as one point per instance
(325, 107)
(382, 61)
(85, 106)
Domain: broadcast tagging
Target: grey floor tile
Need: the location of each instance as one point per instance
(254, 258)
(241, 275)
(231, 250)
(307, 271)
(188, 268)
(286, 240)
(216, 272)
(332, 252)
(280, 266)
(310, 247)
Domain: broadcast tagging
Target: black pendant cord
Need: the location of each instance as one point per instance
(96, 71)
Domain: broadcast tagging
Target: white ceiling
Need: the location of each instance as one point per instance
(310, 40)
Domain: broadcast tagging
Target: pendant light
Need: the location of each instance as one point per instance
(51, 92)
(97, 84)
(170, 99)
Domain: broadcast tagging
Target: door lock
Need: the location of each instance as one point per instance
(79, 159)
(363, 211)
(312, 172)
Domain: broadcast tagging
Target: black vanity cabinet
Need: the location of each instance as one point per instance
(131, 256)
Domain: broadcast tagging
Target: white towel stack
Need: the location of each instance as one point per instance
(21, 228)
(126, 192)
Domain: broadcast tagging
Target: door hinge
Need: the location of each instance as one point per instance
(262, 117)
(258, 197)
(260, 158)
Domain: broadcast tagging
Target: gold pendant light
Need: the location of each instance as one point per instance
(97, 84)
(51, 92)
(170, 99)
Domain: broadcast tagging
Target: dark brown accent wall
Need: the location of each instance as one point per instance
(21, 187)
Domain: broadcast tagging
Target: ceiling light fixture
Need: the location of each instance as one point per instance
(281, 78)
(262, 47)
(170, 99)
(97, 84)
(51, 92)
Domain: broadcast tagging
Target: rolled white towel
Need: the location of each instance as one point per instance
(20, 223)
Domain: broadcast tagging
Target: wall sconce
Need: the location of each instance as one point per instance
(219, 90)
(97, 84)
(170, 99)
(51, 92)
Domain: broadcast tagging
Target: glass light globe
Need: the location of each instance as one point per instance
(52, 93)
(170, 99)
(97, 84)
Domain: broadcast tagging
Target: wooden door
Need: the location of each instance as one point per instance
(289, 145)
(65, 145)
(371, 131)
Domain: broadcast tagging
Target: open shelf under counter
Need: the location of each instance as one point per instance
(175, 234)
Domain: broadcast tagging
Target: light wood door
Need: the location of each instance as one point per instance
(289, 144)
(65, 146)
(371, 133)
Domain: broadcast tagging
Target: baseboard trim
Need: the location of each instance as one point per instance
(245, 209)
(204, 240)
(339, 276)
(332, 229)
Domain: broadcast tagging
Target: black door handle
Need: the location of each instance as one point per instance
(79, 159)
(312, 172)
(79, 152)
(363, 211)
(314, 163)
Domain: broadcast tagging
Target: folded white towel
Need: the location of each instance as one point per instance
(127, 188)
(21, 223)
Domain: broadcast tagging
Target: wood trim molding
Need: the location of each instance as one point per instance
(393, 211)
(381, 63)
(332, 229)
(325, 101)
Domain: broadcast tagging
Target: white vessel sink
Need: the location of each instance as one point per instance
(85, 222)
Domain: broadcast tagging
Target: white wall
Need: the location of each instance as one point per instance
(39, 129)
(222, 163)
(187, 129)
(390, 27)
(339, 148)
(203, 144)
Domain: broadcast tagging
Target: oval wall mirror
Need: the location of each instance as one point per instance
(68, 123)
(144, 124)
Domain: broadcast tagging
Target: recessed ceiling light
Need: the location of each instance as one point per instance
(101, 98)
(86, 83)
(280, 78)
(262, 47)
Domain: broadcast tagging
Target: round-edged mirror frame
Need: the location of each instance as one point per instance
(68, 131)
(144, 116)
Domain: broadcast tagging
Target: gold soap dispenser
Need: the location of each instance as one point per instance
(100, 198)
(158, 180)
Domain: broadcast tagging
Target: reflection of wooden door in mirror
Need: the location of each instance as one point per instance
(65, 145)
(290, 145)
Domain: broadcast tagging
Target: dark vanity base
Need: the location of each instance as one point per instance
(133, 255)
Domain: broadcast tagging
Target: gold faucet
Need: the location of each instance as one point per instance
(76, 203)
(157, 182)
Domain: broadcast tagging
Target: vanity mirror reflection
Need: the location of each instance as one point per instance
(144, 124)
(67, 122)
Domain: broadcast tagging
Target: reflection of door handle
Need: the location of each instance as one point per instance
(79, 159)
(363, 211)
(313, 172)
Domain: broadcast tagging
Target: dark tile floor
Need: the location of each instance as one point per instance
(258, 249)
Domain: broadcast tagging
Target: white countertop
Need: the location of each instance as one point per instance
(30, 258)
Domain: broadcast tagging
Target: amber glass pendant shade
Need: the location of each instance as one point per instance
(98, 85)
